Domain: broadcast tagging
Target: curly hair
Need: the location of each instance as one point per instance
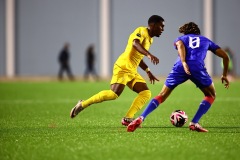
(189, 28)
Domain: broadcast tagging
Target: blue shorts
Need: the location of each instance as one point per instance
(199, 77)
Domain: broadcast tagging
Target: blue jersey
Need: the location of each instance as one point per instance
(196, 50)
(196, 47)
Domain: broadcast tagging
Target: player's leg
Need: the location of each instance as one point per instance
(154, 103)
(118, 83)
(173, 80)
(210, 95)
(105, 95)
(203, 81)
(138, 85)
(144, 94)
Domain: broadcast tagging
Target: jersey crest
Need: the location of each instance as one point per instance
(139, 35)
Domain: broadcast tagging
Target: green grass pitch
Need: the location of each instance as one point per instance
(35, 124)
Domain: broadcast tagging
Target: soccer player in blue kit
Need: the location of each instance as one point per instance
(192, 49)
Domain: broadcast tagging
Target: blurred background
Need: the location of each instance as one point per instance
(40, 28)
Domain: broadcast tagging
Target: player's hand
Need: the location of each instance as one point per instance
(153, 59)
(186, 68)
(225, 81)
(152, 78)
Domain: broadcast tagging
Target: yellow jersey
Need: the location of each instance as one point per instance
(129, 60)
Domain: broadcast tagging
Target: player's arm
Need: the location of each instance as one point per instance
(182, 53)
(221, 53)
(144, 66)
(138, 46)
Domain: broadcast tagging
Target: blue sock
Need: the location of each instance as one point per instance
(203, 108)
(151, 106)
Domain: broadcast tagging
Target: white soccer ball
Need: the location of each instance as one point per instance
(178, 118)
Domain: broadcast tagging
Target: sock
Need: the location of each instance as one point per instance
(105, 95)
(138, 103)
(203, 108)
(152, 106)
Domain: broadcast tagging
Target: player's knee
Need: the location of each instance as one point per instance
(113, 95)
(162, 97)
(209, 99)
(146, 94)
(159, 98)
(108, 95)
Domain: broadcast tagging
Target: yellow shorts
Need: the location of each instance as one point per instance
(124, 77)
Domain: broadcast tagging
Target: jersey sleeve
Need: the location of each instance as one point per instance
(212, 46)
(138, 34)
(175, 41)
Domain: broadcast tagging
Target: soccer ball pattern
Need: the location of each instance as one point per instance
(178, 118)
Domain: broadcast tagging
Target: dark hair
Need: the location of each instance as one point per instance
(155, 19)
(189, 28)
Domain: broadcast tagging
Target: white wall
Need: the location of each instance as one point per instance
(43, 26)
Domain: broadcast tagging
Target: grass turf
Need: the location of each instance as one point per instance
(35, 124)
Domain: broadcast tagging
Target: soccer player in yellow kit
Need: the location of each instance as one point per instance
(125, 71)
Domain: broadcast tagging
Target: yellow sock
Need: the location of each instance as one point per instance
(138, 103)
(100, 97)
